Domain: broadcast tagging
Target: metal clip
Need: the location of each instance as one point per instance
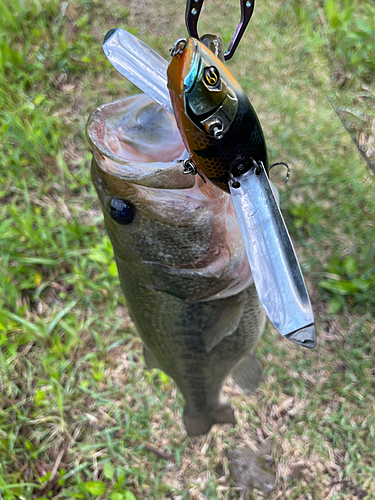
(190, 169)
(235, 183)
(179, 47)
(193, 10)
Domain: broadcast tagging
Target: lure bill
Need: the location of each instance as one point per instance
(135, 60)
(273, 262)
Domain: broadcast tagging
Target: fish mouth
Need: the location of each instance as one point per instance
(138, 141)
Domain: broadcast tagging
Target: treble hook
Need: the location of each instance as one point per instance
(193, 10)
(285, 165)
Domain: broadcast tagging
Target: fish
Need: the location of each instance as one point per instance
(218, 124)
(180, 257)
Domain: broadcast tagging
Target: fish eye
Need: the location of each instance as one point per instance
(121, 211)
(211, 76)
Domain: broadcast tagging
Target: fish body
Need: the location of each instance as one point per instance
(180, 257)
(218, 124)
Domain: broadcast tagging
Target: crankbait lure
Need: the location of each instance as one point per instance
(218, 125)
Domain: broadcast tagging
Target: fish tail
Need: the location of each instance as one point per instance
(200, 423)
(223, 415)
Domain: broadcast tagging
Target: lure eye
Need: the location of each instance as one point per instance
(211, 76)
(121, 211)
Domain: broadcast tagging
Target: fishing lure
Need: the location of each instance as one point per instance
(224, 139)
(217, 122)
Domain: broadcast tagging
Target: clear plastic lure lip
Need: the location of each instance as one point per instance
(140, 64)
(273, 262)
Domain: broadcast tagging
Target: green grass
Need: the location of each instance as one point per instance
(79, 416)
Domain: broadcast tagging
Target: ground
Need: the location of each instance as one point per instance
(79, 415)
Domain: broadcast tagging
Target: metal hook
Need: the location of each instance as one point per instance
(193, 10)
(285, 165)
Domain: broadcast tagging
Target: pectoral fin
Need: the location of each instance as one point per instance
(248, 373)
(223, 320)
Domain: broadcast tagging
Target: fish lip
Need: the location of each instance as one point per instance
(305, 337)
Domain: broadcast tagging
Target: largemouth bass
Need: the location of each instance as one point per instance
(180, 257)
(218, 125)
